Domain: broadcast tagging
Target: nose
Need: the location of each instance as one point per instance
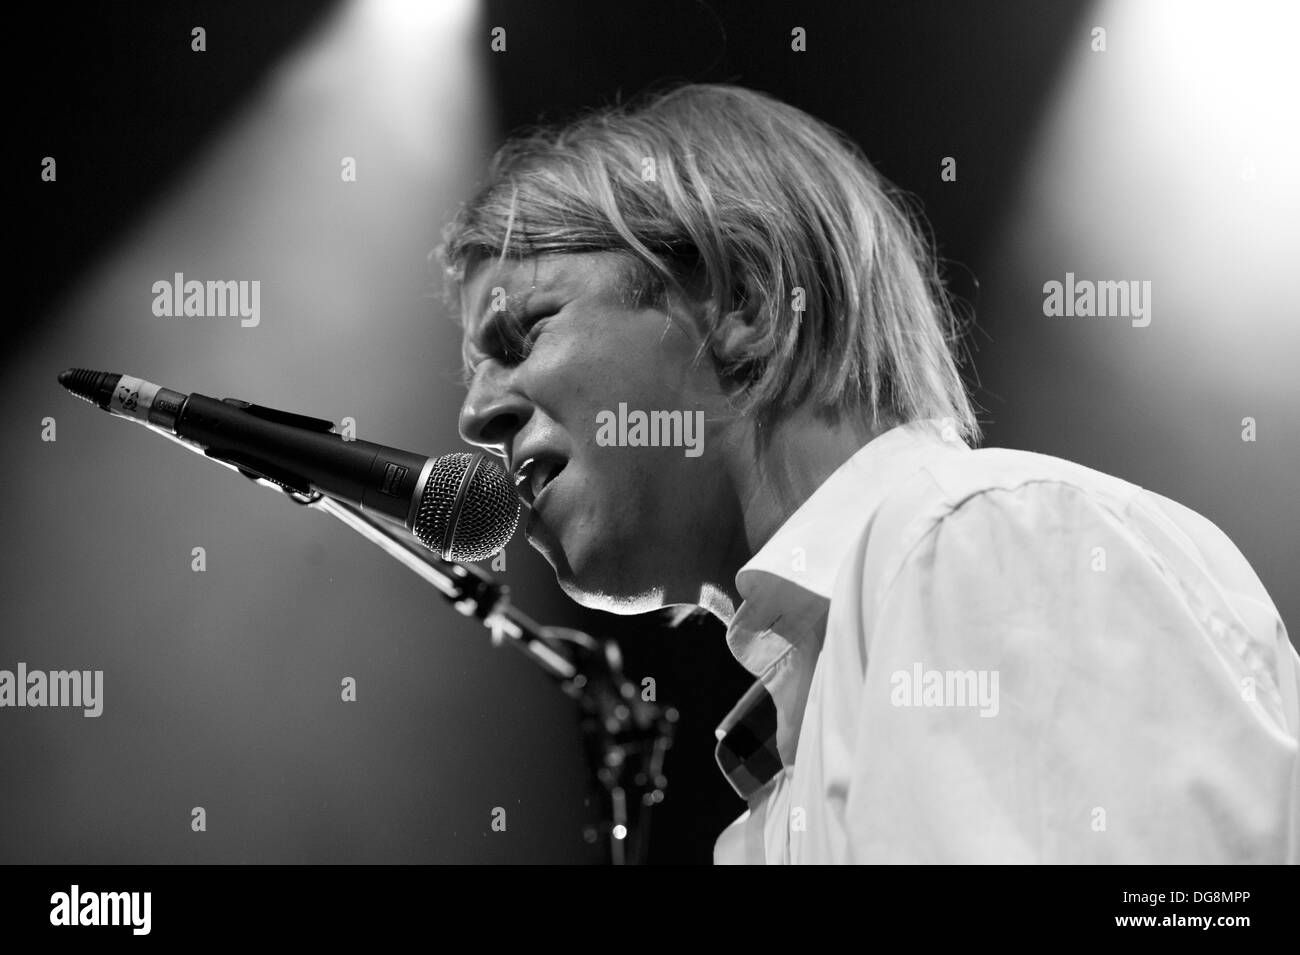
(492, 412)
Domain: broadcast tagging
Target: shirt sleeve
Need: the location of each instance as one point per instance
(1042, 686)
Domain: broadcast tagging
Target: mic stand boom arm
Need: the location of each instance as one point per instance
(469, 589)
(625, 736)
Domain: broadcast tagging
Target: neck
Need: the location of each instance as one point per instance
(773, 482)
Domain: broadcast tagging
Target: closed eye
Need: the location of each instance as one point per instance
(508, 340)
(518, 338)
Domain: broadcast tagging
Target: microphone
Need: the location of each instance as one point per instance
(462, 506)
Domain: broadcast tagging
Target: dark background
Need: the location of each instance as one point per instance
(222, 688)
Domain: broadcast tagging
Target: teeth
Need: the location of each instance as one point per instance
(537, 473)
(540, 473)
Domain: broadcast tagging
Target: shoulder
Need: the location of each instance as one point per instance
(993, 546)
(1021, 506)
(998, 473)
(1008, 523)
(992, 503)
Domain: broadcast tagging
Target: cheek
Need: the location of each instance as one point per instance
(637, 485)
(585, 373)
(575, 388)
(643, 379)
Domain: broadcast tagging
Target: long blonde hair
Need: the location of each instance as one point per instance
(779, 209)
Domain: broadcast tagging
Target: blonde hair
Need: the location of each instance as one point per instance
(778, 209)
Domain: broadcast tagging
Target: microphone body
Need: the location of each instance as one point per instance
(375, 477)
(457, 504)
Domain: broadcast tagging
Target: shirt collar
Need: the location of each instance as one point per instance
(777, 631)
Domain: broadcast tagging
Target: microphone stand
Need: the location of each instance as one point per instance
(625, 736)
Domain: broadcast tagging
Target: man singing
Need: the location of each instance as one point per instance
(961, 655)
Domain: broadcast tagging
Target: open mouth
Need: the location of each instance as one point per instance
(535, 475)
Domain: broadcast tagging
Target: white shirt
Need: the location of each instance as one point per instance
(995, 656)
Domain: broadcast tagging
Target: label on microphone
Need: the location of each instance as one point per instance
(133, 397)
(394, 475)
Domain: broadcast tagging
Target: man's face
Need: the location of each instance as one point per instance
(626, 528)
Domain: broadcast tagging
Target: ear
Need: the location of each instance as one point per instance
(737, 332)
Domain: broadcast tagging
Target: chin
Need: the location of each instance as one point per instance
(597, 574)
(609, 596)
(620, 604)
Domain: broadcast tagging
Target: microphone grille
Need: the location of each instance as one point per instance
(469, 509)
